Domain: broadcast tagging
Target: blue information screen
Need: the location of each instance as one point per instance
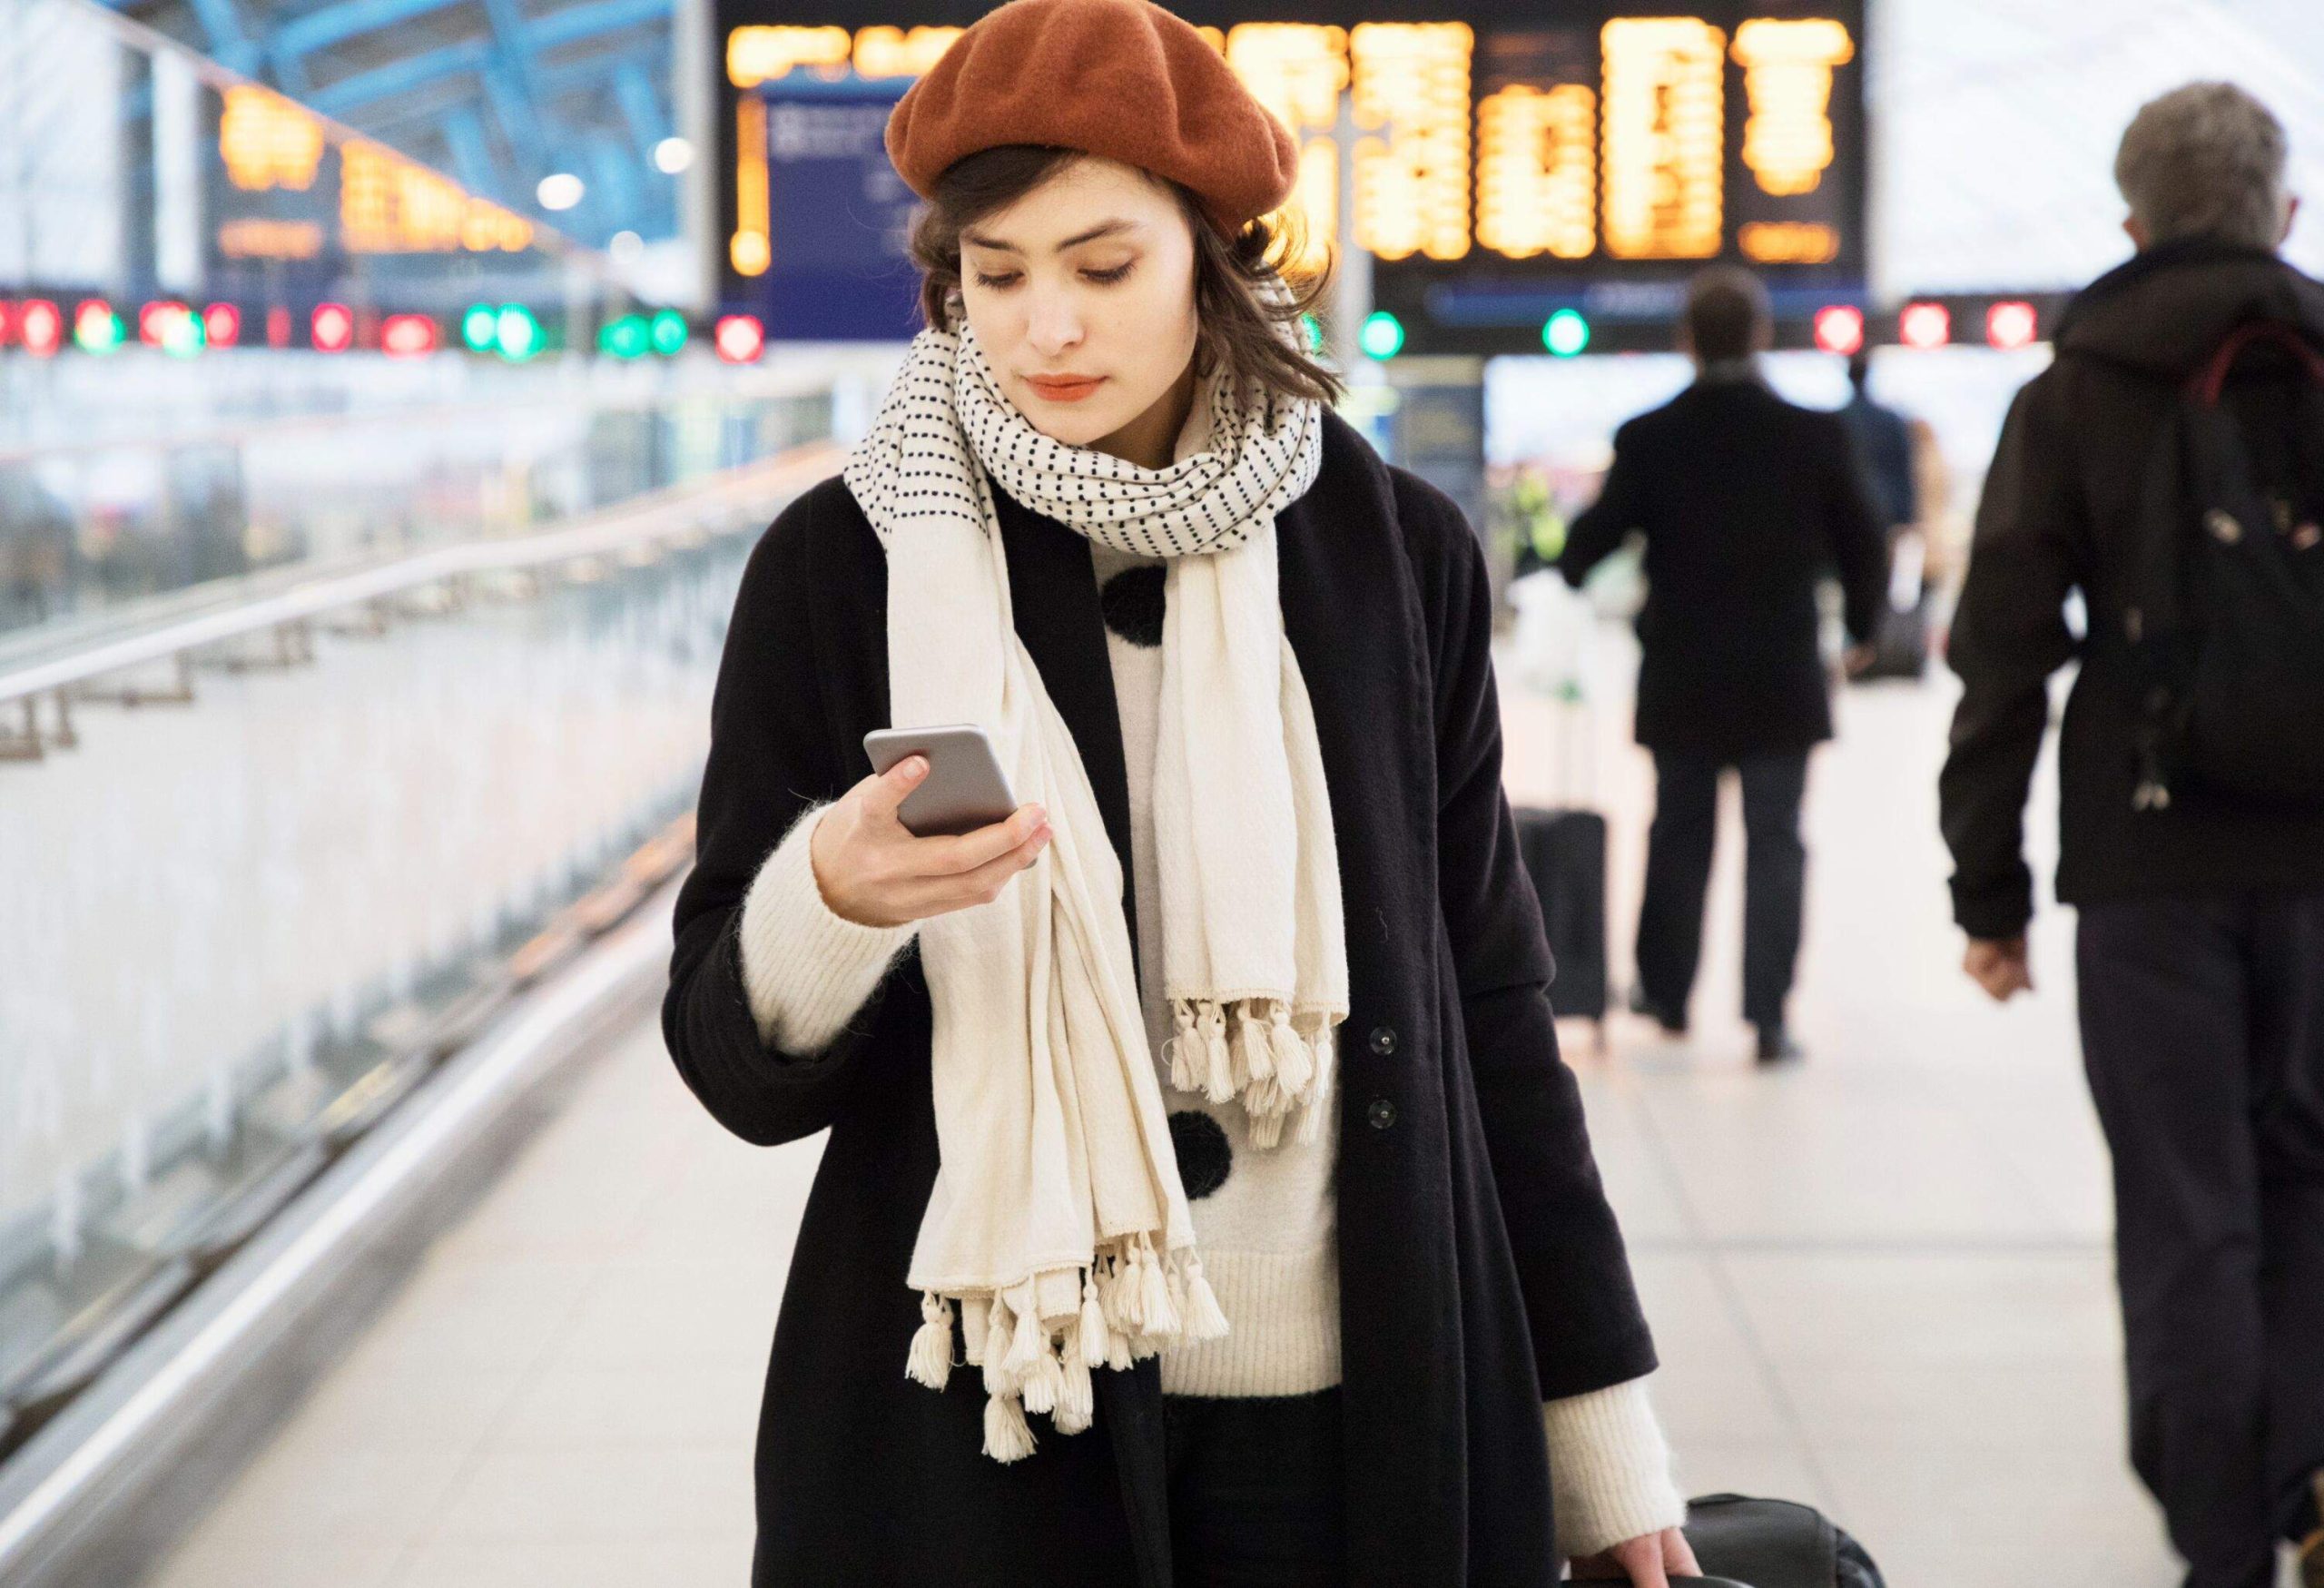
(837, 270)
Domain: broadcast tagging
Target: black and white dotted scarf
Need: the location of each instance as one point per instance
(1058, 1222)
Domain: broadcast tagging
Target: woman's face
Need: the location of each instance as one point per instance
(1082, 296)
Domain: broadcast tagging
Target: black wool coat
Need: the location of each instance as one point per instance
(1746, 502)
(1482, 1270)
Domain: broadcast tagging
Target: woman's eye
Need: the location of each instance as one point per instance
(1109, 277)
(1008, 278)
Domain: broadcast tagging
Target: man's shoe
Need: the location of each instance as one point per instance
(1670, 1019)
(1777, 1046)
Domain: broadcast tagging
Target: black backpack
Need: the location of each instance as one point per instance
(2223, 599)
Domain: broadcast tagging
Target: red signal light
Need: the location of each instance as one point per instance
(7, 322)
(1924, 325)
(2012, 323)
(739, 338)
(155, 319)
(222, 323)
(408, 336)
(40, 325)
(1840, 328)
(333, 328)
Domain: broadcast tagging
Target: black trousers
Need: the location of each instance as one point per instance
(2202, 1025)
(1257, 1491)
(1677, 871)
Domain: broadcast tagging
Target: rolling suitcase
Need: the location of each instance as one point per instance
(1564, 848)
(1775, 1544)
(1564, 853)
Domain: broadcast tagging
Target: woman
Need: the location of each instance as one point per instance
(1101, 1283)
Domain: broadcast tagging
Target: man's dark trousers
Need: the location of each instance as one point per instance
(2202, 1025)
(1677, 871)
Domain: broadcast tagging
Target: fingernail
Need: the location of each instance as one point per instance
(916, 767)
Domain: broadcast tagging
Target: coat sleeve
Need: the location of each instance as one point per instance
(1589, 1331)
(772, 758)
(1600, 528)
(2009, 635)
(1858, 539)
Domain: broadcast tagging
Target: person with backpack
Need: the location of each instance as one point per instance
(2168, 468)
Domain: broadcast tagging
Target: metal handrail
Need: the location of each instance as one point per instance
(770, 385)
(595, 534)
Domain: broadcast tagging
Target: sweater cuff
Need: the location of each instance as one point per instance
(807, 969)
(1609, 1469)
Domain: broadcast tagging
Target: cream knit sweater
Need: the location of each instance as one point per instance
(1264, 1219)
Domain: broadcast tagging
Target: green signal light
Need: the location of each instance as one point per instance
(480, 328)
(1566, 333)
(96, 329)
(1382, 335)
(668, 332)
(626, 338)
(184, 336)
(516, 332)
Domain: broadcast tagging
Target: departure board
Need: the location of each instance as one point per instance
(1501, 160)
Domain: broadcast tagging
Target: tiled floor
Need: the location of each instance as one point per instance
(1880, 1279)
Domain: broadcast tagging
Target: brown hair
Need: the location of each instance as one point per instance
(1238, 326)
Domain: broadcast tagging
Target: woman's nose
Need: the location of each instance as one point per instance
(1053, 327)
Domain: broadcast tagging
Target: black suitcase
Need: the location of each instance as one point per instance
(1900, 646)
(1565, 854)
(1775, 1544)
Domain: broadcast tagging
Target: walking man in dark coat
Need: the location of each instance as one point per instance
(2201, 947)
(1746, 502)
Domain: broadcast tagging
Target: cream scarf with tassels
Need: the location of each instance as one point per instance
(1058, 1223)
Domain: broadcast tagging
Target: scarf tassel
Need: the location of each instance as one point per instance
(1077, 1399)
(1006, 1436)
(1180, 1049)
(1204, 1319)
(1218, 1079)
(1090, 1344)
(1159, 1317)
(1134, 1302)
(1255, 1049)
(931, 1361)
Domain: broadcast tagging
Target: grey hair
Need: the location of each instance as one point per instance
(2205, 160)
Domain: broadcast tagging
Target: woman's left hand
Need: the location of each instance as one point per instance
(1646, 1561)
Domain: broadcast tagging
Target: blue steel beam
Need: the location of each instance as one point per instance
(573, 26)
(590, 20)
(473, 162)
(230, 46)
(520, 115)
(641, 106)
(400, 77)
(335, 23)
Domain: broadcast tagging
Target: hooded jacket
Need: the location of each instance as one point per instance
(2061, 504)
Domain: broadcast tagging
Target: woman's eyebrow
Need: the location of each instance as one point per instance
(1001, 245)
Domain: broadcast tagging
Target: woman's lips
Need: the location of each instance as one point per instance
(1064, 388)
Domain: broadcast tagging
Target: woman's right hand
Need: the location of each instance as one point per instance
(875, 872)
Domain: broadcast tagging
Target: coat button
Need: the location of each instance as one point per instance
(1382, 1113)
(1383, 1040)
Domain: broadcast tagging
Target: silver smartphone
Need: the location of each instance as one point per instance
(965, 788)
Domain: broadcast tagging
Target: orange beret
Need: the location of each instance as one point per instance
(1124, 79)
